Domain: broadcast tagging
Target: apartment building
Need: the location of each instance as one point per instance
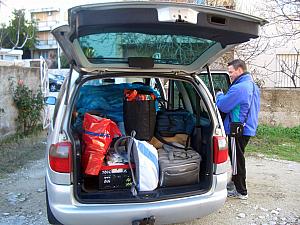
(47, 47)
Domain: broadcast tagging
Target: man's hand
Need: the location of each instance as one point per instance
(218, 93)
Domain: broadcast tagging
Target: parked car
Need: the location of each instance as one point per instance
(55, 82)
(155, 45)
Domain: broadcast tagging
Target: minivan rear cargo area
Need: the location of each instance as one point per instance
(108, 98)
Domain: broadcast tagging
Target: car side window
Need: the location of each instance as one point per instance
(174, 96)
(196, 101)
(59, 99)
(178, 98)
(178, 101)
(220, 80)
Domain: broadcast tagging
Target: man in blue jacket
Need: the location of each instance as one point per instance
(241, 104)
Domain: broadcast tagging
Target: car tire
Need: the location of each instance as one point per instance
(52, 87)
(51, 218)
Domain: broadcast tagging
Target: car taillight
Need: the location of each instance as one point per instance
(60, 157)
(220, 149)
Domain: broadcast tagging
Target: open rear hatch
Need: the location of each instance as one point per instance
(177, 37)
(168, 40)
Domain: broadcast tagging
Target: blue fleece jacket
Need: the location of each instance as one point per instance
(236, 103)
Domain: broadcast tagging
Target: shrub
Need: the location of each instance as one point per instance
(29, 106)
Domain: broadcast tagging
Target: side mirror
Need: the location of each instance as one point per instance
(50, 100)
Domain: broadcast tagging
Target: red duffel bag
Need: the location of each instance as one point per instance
(97, 136)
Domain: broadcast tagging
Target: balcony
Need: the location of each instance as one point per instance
(47, 44)
(46, 25)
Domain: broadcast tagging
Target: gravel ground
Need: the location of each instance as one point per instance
(274, 196)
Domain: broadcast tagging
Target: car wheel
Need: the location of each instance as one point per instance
(51, 219)
(52, 87)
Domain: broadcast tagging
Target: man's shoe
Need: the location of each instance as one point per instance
(242, 197)
(230, 186)
(235, 194)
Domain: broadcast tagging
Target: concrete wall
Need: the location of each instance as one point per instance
(280, 107)
(8, 112)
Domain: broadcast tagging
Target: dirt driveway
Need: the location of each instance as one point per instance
(274, 196)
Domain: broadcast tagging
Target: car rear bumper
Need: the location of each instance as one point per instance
(67, 210)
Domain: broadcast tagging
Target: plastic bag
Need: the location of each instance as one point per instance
(97, 136)
(146, 162)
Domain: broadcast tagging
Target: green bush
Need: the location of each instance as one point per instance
(29, 106)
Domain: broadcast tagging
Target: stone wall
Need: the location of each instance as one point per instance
(15, 72)
(280, 107)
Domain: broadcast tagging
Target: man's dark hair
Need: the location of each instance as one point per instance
(238, 63)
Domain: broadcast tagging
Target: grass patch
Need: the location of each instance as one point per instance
(276, 142)
(16, 151)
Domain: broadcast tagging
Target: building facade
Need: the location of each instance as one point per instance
(277, 51)
(47, 47)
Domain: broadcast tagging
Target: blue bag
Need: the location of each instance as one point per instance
(107, 100)
(172, 122)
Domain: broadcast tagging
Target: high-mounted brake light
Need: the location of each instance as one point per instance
(220, 149)
(60, 157)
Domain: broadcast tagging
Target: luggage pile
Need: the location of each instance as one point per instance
(152, 151)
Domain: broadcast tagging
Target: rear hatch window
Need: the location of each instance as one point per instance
(164, 49)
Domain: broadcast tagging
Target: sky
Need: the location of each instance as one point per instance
(7, 6)
(46, 3)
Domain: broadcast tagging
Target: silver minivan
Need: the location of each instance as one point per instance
(162, 45)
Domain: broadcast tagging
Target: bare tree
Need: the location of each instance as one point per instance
(288, 16)
(292, 70)
(283, 29)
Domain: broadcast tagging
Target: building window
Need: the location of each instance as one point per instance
(288, 70)
(44, 54)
